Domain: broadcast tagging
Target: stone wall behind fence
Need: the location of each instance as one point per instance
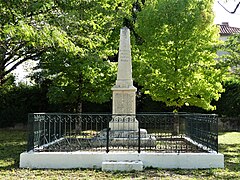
(229, 124)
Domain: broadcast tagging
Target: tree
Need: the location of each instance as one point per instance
(87, 74)
(72, 40)
(229, 103)
(176, 62)
(232, 56)
(26, 33)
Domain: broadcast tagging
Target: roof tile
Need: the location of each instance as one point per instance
(227, 30)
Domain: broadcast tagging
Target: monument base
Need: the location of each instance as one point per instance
(126, 138)
(86, 159)
(123, 123)
(121, 126)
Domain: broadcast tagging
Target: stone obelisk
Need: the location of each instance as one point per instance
(124, 93)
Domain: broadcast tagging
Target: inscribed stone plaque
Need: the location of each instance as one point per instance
(124, 103)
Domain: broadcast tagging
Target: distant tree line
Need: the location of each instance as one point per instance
(17, 101)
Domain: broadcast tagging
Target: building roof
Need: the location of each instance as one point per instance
(225, 29)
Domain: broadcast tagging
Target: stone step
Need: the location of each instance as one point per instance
(135, 165)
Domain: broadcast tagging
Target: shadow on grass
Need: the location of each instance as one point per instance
(12, 144)
(231, 156)
(10, 155)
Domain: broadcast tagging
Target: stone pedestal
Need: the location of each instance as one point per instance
(128, 123)
(124, 127)
(125, 138)
(124, 93)
(124, 103)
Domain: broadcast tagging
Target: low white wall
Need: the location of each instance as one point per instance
(183, 160)
(60, 160)
(65, 160)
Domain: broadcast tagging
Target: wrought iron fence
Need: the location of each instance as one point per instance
(162, 132)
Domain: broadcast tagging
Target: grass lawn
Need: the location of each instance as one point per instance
(12, 143)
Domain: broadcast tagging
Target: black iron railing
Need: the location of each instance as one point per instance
(203, 129)
(162, 132)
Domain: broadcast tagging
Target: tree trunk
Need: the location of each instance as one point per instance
(176, 123)
(78, 123)
(79, 107)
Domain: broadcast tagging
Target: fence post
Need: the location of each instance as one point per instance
(139, 138)
(216, 125)
(176, 124)
(78, 124)
(108, 129)
(30, 143)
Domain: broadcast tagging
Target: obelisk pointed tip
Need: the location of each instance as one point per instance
(125, 31)
(125, 27)
(124, 75)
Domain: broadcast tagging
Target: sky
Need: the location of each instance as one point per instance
(221, 15)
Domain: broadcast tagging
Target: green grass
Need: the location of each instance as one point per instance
(12, 143)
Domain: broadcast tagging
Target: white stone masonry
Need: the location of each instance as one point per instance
(124, 93)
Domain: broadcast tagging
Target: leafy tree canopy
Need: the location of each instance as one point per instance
(93, 27)
(26, 32)
(232, 57)
(72, 40)
(176, 61)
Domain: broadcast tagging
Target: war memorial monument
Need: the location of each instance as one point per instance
(123, 140)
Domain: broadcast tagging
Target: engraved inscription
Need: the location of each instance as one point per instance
(119, 103)
(124, 103)
(124, 55)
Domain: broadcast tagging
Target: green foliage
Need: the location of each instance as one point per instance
(71, 39)
(87, 74)
(17, 101)
(74, 40)
(232, 57)
(27, 32)
(83, 82)
(176, 62)
(229, 103)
